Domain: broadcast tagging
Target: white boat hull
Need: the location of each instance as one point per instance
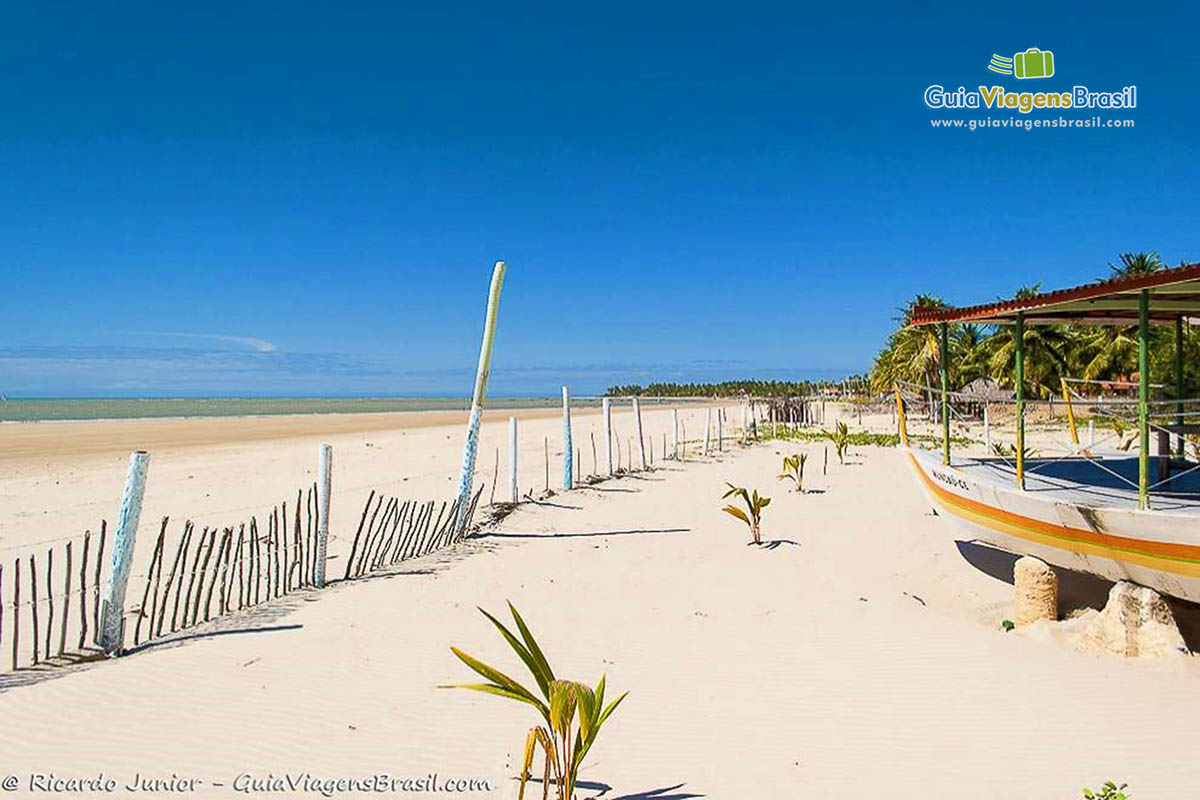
(1153, 548)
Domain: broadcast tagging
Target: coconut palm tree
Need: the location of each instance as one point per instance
(1136, 264)
(911, 354)
(969, 353)
(1047, 353)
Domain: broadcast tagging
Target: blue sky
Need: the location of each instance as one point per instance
(283, 198)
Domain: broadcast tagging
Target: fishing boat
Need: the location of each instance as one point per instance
(1120, 514)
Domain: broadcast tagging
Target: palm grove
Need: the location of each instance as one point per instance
(1053, 352)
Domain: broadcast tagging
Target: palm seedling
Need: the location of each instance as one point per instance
(572, 712)
(841, 440)
(752, 516)
(793, 470)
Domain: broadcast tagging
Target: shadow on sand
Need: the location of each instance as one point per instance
(581, 534)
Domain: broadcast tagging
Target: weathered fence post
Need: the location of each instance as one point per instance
(324, 494)
(112, 626)
(607, 410)
(467, 475)
(707, 427)
(637, 414)
(720, 429)
(568, 447)
(675, 432)
(512, 459)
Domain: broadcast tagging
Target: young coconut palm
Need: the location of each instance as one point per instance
(841, 441)
(793, 470)
(573, 712)
(755, 503)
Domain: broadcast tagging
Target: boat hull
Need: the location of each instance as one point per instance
(1156, 549)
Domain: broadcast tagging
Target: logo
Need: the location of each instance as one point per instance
(1033, 63)
(1026, 65)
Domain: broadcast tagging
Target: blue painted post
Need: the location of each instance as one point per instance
(112, 622)
(467, 475)
(324, 494)
(568, 447)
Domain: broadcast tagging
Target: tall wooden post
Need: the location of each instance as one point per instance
(675, 432)
(606, 408)
(720, 430)
(467, 475)
(1179, 383)
(568, 447)
(637, 415)
(944, 341)
(514, 492)
(112, 622)
(1143, 397)
(707, 427)
(324, 501)
(1019, 354)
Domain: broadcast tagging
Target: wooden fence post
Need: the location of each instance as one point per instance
(512, 460)
(324, 495)
(568, 447)
(607, 410)
(467, 475)
(637, 414)
(707, 427)
(112, 626)
(720, 429)
(675, 432)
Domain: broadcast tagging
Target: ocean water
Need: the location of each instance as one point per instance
(51, 408)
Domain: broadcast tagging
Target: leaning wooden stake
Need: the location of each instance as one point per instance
(49, 599)
(33, 605)
(16, 623)
(467, 475)
(155, 559)
(83, 565)
(112, 630)
(66, 615)
(96, 582)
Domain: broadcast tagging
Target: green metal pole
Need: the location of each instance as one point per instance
(1143, 396)
(944, 339)
(1019, 354)
(1179, 382)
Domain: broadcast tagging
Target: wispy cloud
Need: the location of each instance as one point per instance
(253, 342)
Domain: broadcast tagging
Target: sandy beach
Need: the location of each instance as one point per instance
(860, 653)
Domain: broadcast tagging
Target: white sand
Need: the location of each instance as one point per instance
(863, 660)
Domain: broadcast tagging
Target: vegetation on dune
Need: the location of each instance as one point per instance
(1052, 352)
(735, 388)
(573, 712)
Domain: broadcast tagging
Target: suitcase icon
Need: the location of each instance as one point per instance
(1033, 63)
